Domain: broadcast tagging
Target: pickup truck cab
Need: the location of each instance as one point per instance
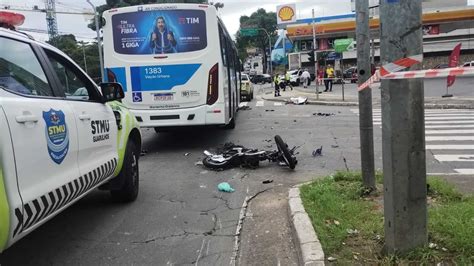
(61, 136)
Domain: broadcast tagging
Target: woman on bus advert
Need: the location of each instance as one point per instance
(162, 40)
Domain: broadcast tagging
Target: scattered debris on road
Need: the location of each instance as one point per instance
(324, 114)
(298, 100)
(267, 181)
(198, 163)
(225, 187)
(269, 110)
(187, 154)
(334, 146)
(143, 153)
(318, 152)
(245, 108)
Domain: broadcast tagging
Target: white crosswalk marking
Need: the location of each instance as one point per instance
(260, 103)
(449, 135)
(278, 104)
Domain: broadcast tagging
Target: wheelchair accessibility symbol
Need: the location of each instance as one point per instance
(137, 97)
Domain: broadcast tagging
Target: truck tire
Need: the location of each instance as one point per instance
(130, 173)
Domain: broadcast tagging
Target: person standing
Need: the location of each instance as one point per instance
(320, 76)
(306, 78)
(330, 76)
(276, 80)
(287, 80)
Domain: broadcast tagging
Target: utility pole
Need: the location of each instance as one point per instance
(99, 41)
(403, 130)
(84, 56)
(315, 56)
(365, 96)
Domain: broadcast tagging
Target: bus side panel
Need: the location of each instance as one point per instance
(9, 194)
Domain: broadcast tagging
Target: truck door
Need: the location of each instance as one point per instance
(44, 135)
(96, 124)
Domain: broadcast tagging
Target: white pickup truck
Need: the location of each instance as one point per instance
(60, 136)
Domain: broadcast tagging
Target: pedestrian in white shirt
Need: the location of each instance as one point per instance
(306, 78)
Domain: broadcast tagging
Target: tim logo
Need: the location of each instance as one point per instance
(188, 20)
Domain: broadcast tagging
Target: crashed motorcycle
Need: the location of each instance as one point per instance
(232, 155)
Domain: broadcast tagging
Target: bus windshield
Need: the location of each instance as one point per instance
(159, 32)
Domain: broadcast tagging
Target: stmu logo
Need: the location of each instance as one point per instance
(286, 13)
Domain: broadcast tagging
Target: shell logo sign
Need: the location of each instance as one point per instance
(286, 14)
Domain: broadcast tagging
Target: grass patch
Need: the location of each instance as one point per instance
(350, 225)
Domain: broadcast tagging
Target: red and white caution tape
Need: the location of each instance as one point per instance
(400, 64)
(431, 73)
(390, 69)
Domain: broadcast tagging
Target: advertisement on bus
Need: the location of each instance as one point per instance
(159, 32)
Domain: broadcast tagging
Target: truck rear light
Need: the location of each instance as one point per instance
(213, 85)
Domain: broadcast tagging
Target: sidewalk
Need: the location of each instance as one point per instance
(351, 97)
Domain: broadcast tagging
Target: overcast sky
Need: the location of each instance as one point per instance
(233, 9)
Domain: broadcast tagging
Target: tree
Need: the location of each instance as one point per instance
(258, 19)
(82, 53)
(123, 3)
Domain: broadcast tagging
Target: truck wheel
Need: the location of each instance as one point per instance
(231, 124)
(130, 173)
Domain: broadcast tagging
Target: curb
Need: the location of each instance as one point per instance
(427, 105)
(308, 246)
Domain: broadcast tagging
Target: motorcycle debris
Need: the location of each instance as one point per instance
(198, 163)
(334, 146)
(225, 187)
(269, 110)
(324, 114)
(187, 154)
(318, 152)
(245, 108)
(268, 181)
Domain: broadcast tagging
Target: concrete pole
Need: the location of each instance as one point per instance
(403, 130)
(373, 52)
(315, 56)
(365, 97)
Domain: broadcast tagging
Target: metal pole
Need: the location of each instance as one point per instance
(373, 51)
(284, 51)
(84, 55)
(269, 51)
(403, 130)
(99, 41)
(315, 57)
(342, 72)
(365, 97)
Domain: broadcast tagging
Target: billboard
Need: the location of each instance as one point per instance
(286, 13)
(159, 32)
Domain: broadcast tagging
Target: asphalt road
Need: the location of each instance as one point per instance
(180, 218)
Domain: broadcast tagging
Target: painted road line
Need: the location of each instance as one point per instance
(450, 147)
(260, 103)
(452, 122)
(449, 138)
(436, 118)
(450, 126)
(465, 171)
(449, 131)
(277, 104)
(449, 114)
(454, 157)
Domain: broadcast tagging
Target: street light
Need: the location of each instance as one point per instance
(269, 48)
(101, 60)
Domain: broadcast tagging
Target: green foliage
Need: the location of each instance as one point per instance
(77, 51)
(258, 19)
(338, 198)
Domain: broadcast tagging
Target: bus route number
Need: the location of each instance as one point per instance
(152, 70)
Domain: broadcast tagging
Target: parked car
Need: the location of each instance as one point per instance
(246, 91)
(468, 64)
(440, 66)
(261, 78)
(351, 74)
(61, 136)
(295, 76)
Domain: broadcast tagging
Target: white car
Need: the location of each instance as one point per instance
(295, 77)
(468, 64)
(61, 136)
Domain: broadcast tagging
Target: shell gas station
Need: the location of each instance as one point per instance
(444, 26)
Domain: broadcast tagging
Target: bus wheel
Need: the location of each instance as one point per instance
(231, 124)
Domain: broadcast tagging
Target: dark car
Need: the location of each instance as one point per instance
(261, 78)
(440, 66)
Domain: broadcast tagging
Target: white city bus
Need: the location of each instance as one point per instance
(176, 62)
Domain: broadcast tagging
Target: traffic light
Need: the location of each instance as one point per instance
(311, 56)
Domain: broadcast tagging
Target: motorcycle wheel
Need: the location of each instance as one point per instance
(209, 163)
(283, 148)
